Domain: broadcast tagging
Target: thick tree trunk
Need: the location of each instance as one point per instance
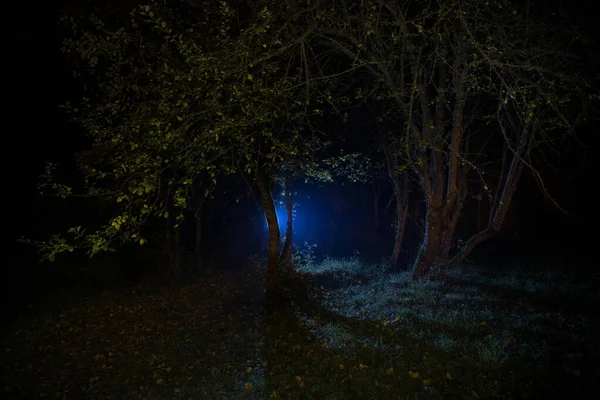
(273, 271)
(453, 210)
(442, 170)
(432, 246)
(286, 254)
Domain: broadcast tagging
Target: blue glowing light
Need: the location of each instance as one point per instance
(310, 219)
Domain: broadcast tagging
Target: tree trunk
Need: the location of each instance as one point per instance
(274, 275)
(433, 177)
(469, 246)
(401, 193)
(400, 186)
(431, 248)
(400, 235)
(502, 203)
(453, 210)
(286, 254)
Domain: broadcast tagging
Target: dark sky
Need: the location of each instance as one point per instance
(37, 83)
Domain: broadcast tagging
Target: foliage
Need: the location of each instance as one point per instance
(305, 257)
(179, 97)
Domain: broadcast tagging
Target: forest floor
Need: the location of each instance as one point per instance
(357, 333)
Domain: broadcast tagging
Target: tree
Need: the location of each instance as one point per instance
(185, 92)
(313, 167)
(176, 94)
(398, 175)
(466, 78)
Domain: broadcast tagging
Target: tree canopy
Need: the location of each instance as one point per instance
(468, 91)
(466, 94)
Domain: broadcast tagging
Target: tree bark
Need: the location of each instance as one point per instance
(431, 248)
(442, 180)
(274, 275)
(286, 254)
(432, 181)
(452, 215)
(401, 193)
(402, 197)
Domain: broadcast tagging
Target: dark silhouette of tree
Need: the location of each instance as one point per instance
(478, 87)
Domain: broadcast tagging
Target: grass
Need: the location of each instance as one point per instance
(358, 333)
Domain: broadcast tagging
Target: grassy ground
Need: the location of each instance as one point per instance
(356, 333)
